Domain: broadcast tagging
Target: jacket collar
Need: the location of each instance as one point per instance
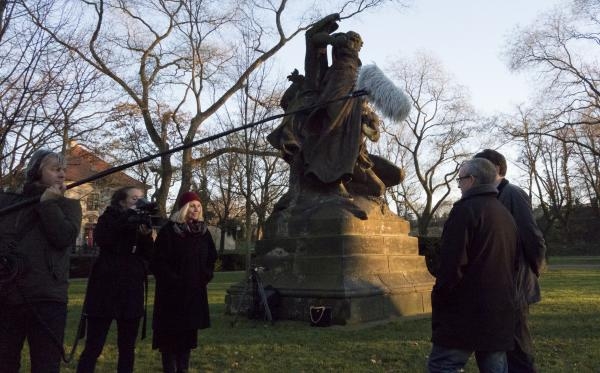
(500, 187)
(483, 189)
(34, 189)
(115, 210)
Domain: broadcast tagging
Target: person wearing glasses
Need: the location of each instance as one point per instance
(531, 259)
(473, 299)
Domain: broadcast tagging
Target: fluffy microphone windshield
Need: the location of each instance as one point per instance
(386, 97)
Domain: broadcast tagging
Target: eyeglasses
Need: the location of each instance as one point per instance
(458, 179)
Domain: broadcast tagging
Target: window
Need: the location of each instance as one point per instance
(93, 202)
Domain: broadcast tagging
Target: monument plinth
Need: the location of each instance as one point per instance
(322, 254)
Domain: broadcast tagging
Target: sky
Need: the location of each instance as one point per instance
(466, 36)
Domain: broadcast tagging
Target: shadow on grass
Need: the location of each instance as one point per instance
(565, 327)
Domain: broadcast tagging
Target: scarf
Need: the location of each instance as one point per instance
(193, 228)
(34, 189)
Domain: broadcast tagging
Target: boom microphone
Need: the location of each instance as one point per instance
(383, 93)
(112, 170)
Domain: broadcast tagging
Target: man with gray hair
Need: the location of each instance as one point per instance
(473, 296)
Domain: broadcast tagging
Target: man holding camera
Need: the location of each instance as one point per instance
(116, 284)
(34, 266)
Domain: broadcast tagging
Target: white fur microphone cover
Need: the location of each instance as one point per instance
(383, 93)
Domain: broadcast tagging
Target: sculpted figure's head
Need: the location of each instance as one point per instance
(354, 40)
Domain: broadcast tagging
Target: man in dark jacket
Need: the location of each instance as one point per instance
(116, 284)
(473, 296)
(530, 257)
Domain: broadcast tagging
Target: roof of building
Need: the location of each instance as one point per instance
(82, 163)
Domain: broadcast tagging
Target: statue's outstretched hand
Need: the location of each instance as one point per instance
(333, 17)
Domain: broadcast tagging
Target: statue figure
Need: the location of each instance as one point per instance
(325, 144)
(334, 130)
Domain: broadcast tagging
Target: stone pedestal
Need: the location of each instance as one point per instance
(354, 256)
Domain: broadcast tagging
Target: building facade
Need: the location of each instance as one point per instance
(93, 196)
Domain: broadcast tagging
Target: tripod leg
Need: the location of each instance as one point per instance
(263, 297)
(241, 302)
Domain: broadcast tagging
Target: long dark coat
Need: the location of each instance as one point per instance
(116, 284)
(533, 247)
(182, 265)
(473, 299)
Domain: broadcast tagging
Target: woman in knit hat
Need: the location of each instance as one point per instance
(36, 240)
(183, 264)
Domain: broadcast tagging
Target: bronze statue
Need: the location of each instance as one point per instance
(325, 144)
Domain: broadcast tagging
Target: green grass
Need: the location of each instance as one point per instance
(565, 326)
(574, 260)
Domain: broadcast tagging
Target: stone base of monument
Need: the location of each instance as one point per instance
(327, 254)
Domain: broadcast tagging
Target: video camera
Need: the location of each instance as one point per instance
(146, 213)
(144, 206)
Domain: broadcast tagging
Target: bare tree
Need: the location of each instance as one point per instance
(180, 49)
(45, 93)
(550, 164)
(123, 138)
(258, 176)
(6, 10)
(588, 165)
(430, 141)
(560, 48)
(221, 190)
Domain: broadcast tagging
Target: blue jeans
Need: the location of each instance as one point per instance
(449, 360)
(43, 325)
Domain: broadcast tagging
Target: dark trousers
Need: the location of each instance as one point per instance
(520, 360)
(43, 325)
(175, 362)
(97, 329)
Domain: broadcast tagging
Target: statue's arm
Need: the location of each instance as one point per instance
(327, 24)
(322, 39)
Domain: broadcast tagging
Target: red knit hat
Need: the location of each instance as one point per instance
(187, 197)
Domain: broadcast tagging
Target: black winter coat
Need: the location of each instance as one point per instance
(44, 233)
(533, 247)
(116, 284)
(473, 299)
(182, 266)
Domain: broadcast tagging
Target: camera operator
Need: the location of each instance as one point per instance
(116, 285)
(183, 264)
(34, 249)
